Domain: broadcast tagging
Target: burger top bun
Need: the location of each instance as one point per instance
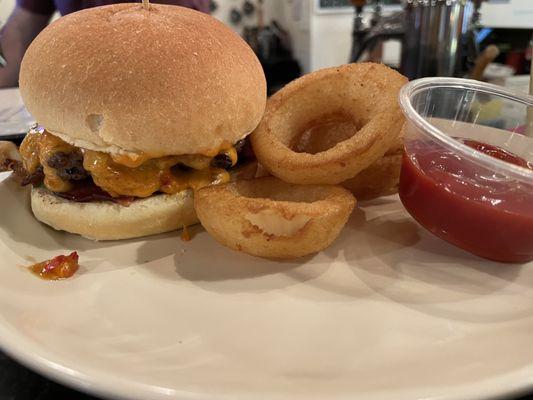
(163, 81)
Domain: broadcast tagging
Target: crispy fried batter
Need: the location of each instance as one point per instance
(266, 217)
(381, 178)
(361, 98)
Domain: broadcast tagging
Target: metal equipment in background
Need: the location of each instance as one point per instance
(438, 36)
(272, 45)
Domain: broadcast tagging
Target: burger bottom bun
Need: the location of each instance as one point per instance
(111, 221)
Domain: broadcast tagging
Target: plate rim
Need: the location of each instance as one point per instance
(37, 359)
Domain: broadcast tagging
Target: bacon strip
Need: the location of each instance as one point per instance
(86, 191)
(83, 192)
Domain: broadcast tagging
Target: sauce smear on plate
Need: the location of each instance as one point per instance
(60, 267)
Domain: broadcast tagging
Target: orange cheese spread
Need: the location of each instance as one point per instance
(124, 175)
(36, 149)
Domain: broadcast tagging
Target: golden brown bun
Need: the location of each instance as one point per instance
(165, 81)
(109, 221)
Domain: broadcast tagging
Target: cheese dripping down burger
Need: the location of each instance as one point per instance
(138, 108)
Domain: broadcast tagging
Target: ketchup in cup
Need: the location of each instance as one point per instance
(476, 212)
(473, 194)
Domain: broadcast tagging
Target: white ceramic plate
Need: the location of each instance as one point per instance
(388, 312)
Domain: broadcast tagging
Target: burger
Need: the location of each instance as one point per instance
(137, 108)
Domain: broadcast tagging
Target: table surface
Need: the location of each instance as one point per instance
(19, 383)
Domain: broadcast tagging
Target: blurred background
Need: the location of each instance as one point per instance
(489, 40)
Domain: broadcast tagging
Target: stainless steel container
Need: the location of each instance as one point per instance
(437, 35)
(434, 38)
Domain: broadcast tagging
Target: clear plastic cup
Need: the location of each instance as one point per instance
(450, 184)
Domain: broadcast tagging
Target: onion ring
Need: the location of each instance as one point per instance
(8, 151)
(361, 95)
(381, 178)
(266, 217)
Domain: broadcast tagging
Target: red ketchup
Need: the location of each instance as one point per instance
(60, 267)
(480, 211)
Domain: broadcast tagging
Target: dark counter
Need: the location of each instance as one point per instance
(19, 383)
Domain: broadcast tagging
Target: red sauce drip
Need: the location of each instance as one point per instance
(60, 267)
(185, 234)
(478, 210)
